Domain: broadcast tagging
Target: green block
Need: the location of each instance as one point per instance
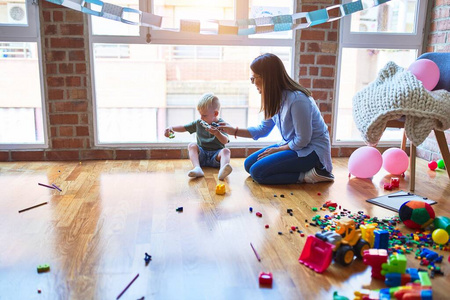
(43, 268)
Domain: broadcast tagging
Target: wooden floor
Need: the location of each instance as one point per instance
(94, 233)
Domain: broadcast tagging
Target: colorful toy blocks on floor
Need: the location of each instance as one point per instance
(396, 264)
(265, 279)
(375, 258)
(220, 189)
(43, 268)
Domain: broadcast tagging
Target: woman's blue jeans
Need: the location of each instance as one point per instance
(282, 167)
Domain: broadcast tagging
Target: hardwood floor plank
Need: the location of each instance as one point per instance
(94, 233)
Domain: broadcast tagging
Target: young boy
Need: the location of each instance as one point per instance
(209, 151)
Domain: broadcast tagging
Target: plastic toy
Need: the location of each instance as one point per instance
(441, 164)
(265, 279)
(336, 296)
(147, 258)
(443, 223)
(432, 165)
(387, 186)
(367, 233)
(43, 268)
(258, 214)
(220, 189)
(375, 258)
(396, 264)
(397, 279)
(416, 214)
(395, 182)
(329, 203)
(179, 209)
(381, 239)
(440, 236)
(343, 244)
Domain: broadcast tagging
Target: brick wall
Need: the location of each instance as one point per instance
(438, 41)
(68, 92)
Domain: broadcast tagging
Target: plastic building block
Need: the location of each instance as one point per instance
(395, 182)
(265, 279)
(43, 268)
(258, 214)
(397, 279)
(147, 258)
(375, 258)
(336, 296)
(179, 209)
(367, 233)
(396, 264)
(428, 254)
(329, 203)
(381, 239)
(387, 186)
(220, 189)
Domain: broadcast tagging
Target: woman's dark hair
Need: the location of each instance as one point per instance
(274, 81)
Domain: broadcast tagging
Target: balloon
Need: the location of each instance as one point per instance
(426, 71)
(441, 164)
(365, 162)
(440, 236)
(395, 161)
(432, 165)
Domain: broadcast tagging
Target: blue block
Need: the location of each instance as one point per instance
(381, 239)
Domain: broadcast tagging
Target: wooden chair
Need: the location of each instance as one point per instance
(443, 62)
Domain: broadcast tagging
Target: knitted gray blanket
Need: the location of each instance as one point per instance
(395, 93)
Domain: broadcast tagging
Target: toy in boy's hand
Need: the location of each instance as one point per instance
(205, 125)
(171, 135)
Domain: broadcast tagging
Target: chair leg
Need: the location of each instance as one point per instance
(403, 145)
(443, 146)
(412, 167)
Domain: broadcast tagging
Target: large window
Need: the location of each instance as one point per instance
(369, 39)
(147, 79)
(21, 113)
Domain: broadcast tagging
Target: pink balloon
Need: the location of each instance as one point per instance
(365, 162)
(395, 161)
(426, 71)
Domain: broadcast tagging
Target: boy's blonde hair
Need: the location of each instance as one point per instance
(208, 101)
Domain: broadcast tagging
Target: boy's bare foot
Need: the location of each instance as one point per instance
(196, 172)
(225, 171)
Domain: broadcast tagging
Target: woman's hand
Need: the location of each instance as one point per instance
(227, 128)
(269, 151)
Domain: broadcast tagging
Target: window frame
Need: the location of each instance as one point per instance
(164, 37)
(374, 40)
(30, 33)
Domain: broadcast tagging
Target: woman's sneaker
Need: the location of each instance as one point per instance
(316, 175)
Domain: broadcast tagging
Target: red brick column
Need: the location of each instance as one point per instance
(67, 82)
(318, 60)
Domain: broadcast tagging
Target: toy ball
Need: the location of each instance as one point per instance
(440, 236)
(395, 161)
(426, 71)
(365, 162)
(416, 214)
(432, 165)
(441, 164)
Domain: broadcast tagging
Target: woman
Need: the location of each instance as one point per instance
(304, 155)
